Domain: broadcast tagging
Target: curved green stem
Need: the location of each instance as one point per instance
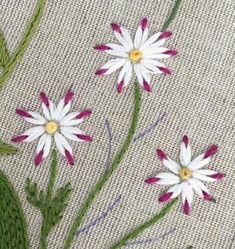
(24, 43)
(118, 158)
(132, 235)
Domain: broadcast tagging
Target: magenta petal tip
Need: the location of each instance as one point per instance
(186, 208)
(84, 114)
(102, 47)
(147, 86)
(165, 70)
(69, 157)
(165, 34)
(38, 158)
(101, 71)
(116, 27)
(69, 95)
(44, 98)
(151, 180)
(185, 140)
(120, 86)
(144, 23)
(165, 197)
(217, 176)
(161, 154)
(211, 150)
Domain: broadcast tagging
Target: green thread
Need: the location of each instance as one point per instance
(50, 208)
(13, 228)
(132, 235)
(190, 247)
(101, 183)
(4, 54)
(24, 43)
(172, 15)
(7, 149)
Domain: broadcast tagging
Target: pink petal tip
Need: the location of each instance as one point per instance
(185, 140)
(84, 137)
(44, 98)
(116, 27)
(152, 180)
(84, 114)
(38, 158)
(19, 139)
(69, 157)
(165, 197)
(69, 95)
(120, 86)
(147, 86)
(165, 70)
(161, 154)
(102, 47)
(144, 23)
(207, 196)
(165, 34)
(186, 208)
(211, 150)
(101, 71)
(23, 113)
(217, 176)
(171, 52)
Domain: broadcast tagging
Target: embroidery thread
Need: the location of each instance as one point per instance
(8, 62)
(117, 159)
(13, 228)
(57, 123)
(51, 208)
(7, 149)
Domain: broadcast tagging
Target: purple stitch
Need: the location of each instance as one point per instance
(154, 125)
(100, 217)
(138, 242)
(107, 164)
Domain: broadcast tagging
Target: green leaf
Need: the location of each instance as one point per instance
(4, 54)
(13, 228)
(35, 198)
(7, 149)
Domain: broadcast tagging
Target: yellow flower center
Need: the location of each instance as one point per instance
(135, 55)
(51, 127)
(185, 173)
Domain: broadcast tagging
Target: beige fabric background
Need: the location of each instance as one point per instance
(198, 98)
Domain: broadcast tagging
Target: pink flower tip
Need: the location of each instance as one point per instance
(69, 157)
(101, 71)
(211, 150)
(38, 158)
(152, 180)
(185, 140)
(186, 208)
(161, 154)
(171, 52)
(165, 197)
(102, 47)
(69, 95)
(120, 86)
(84, 114)
(147, 86)
(84, 137)
(165, 70)
(217, 176)
(165, 34)
(44, 98)
(19, 139)
(23, 113)
(116, 27)
(207, 196)
(144, 23)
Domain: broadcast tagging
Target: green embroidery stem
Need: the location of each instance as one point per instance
(24, 43)
(172, 15)
(132, 235)
(13, 228)
(7, 149)
(4, 55)
(101, 183)
(45, 229)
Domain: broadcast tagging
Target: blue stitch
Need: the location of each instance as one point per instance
(138, 242)
(150, 128)
(101, 216)
(108, 161)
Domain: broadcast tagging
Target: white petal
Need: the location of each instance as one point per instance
(187, 193)
(41, 143)
(152, 68)
(198, 186)
(113, 65)
(59, 109)
(39, 117)
(64, 111)
(46, 112)
(62, 144)
(125, 43)
(167, 179)
(157, 56)
(154, 50)
(47, 146)
(127, 37)
(150, 41)
(202, 177)
(137, 68)
(144, 36)
(128, 76)
(171, 165)
(68, 134)
(199, 162)
(116, 47)
(71, 117)
(123, 71)
(138, 37)
(34, 133)
(153, 62)
(117, 53)
(185, 154)
(52, 109)
(176, 190)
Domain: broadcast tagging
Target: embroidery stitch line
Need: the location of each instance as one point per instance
(24, 43)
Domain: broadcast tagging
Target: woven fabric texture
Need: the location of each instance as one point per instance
(198, 99)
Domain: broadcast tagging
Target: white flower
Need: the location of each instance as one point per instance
(142, 54)
(188, 176)
(57, 123)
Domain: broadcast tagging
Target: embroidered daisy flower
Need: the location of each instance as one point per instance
(57, 124)
(188, 176)
(141, 55)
